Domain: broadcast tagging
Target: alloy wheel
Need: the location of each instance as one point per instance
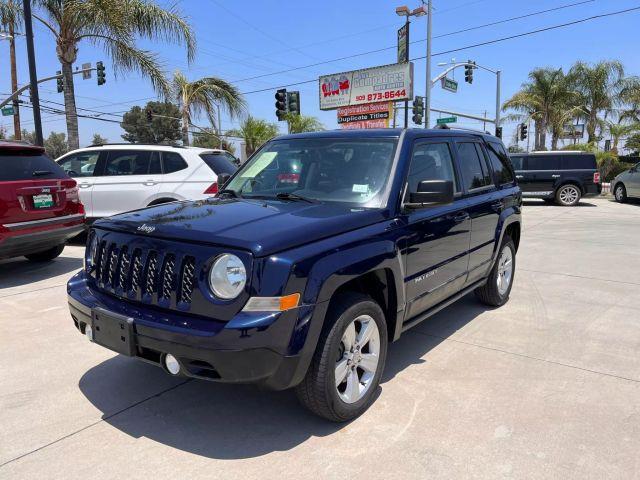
(358, 359)
(569, 195)
(619, 193)
(505, 270)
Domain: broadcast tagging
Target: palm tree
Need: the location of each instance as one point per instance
(618, 130)
(303, 123)
(600, 86)
(202, 96)
(548, 98)
(254, 132)
(10, 16)
(115, 25)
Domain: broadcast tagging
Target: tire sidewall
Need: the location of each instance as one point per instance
(351, 410)
(623, 193)
(563, 187)
(508, 243)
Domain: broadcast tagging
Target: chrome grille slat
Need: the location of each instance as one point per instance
(113, 265)
(151, 273)
(136, 271)
(168, 276)
(187, 277)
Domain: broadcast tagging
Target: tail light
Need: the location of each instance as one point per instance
(289, 177)
(212, 190)
(596, 177)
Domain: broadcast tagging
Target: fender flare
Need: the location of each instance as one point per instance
(507, 217)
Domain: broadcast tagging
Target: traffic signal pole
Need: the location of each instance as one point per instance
(33, 76)
(406, 102)
(429, 85)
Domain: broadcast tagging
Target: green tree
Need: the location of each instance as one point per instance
(114, 25)
(208, 138)
(303, 123)
(204, 96)
(600, 86)
(254, 132)
(164, 126)
(618, 130)
(98, 139)
(56, 145)
(633, 143)
(3, 132)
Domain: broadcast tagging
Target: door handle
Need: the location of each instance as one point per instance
(460, 217)
(84, 185)
(150, 183)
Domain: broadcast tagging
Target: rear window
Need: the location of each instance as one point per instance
(219, 163)
(578, 162)
(517, 161)
(543, 162)
(28, 166)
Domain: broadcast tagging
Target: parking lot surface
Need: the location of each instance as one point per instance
(547, 386)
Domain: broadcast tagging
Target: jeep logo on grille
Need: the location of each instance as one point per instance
(146, 228)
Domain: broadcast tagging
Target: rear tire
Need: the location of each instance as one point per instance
(496, 291)
(620, 193)
(352, 345)
(47, 255)
(568, 195)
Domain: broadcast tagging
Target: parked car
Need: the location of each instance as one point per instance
(39, 204)
(563, 177)
(119, 178)
(627, 184)
(303, 284)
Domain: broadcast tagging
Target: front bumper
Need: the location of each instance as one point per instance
(272, 349)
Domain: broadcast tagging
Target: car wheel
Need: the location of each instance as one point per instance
(568, 195)
(620, 193)
(345, 371)
(498, 287)
(46, 255)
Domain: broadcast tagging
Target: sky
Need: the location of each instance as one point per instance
(240, 41)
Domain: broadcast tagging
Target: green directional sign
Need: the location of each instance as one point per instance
(443, 120)
(8, 111)
(449, 84)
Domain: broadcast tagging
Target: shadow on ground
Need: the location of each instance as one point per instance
(20, 271)
(237, 421)
(540, 203)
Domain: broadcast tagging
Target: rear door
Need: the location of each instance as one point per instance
(128, 180)
(184, 180)
(544, 172)
(82, 167)
(436, 252)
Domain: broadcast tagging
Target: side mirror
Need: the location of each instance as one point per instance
(431, 192)
(223, 178)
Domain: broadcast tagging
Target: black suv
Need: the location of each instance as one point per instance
(302, 281)
(563, 177)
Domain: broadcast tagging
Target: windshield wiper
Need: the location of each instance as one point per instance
(294, 197)
(40, 173)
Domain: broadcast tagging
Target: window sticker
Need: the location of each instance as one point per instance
(359, 188)
(259, 165)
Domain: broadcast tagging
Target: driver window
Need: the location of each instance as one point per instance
(80, 164)
(431, 161)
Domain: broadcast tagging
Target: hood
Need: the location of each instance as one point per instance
(261, 226)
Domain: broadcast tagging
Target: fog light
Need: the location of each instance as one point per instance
(172, 364)
(88, 332)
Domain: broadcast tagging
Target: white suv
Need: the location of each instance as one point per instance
(116, 178)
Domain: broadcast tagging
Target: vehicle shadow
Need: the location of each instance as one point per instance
(534, 203)
(237, 421)
(629, 201)
(20, 271)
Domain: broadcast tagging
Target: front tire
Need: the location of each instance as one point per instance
(346, 368)
(568, 195)
(496, 291)
(47, 255)
(620, 193)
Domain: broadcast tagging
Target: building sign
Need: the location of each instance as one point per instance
(572, 131)
(403, 37)
(371, 115)
(386, 83)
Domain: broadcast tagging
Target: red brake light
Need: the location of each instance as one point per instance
(288, 177)
(596, 177)
(212, 190)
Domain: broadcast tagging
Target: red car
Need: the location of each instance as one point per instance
(39, 204)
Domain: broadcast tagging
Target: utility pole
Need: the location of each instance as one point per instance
(33, 76)
(427, 93)
(498, 74)
(17, 132)
(406, 102)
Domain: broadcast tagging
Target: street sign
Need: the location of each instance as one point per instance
(372, 115)
(86, 71)
(378, 84)
(443, 120)
(403, 33)
(8, 111)
(449, 84)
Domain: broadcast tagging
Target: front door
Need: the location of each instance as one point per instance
(81, 167)
(633, 182)
(436, 248)
(544, 173)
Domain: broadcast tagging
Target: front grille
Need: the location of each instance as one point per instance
(146, 275)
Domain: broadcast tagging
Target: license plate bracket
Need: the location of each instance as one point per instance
(43, 200)
(113, 331)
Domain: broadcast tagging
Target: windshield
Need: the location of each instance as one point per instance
(323, 169)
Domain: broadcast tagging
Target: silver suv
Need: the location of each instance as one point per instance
(627, 184)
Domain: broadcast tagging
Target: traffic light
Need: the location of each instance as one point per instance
(149, 114)
(468, 71)
(281, 103)
(293, 103)
(418, 110)
(60, 82)
(499, 132)
(523, 131)
(102, 79)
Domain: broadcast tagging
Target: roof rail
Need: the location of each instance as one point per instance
(444, 126)
(137, 143)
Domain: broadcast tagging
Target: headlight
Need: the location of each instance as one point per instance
(92, 250)
(227, 276)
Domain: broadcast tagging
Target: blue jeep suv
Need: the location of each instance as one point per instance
(302, 278)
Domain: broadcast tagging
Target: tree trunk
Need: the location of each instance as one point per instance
(70, 106)
(17, 134)
(185, 126)
(591, 128)
(541, 135)
(554, 141)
